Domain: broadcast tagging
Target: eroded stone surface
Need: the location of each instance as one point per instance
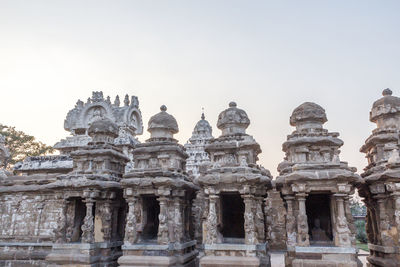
(381, 190)
(316, 187)
(234, 186)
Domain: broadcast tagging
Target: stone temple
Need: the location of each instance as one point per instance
(109, 200)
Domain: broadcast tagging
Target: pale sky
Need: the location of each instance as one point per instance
(268, 56)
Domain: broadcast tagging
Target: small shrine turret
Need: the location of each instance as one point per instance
(159, 195)
(234, 187)
(316, 187)
(381, 187)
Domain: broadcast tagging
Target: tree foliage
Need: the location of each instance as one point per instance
(361, 234)
(21, 145)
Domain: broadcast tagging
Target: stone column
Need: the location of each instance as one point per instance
(88, 224)
(212, 222)
(163, 227)
(350, 220)
(384, 225)
(260, 220)
(396, 200)
(290, 222)
(178, 220)
(106, 217)
(302, 223)
(342, 238)
(131, 234)
(249, 225)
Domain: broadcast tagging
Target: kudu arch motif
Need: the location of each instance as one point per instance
(109, 200)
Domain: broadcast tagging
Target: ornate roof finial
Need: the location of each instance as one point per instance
(163, 108)
(202, 114)
(108, 100)
(386, 92)
(116, 101)
(232, 104)
(126, 100)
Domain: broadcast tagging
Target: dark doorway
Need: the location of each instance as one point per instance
(151, 210)
(318, 210)
(79, 216)
(232, 207)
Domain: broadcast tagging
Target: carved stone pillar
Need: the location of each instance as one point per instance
(88, 223)
(163, 227)
(212, 221)
(178, 220)
(302, 223)
(396, 200)
(249, 224)
(342, 238)
(131, 234)
(106, 220)
(350, 220)
(384, 224)
(259, 220)
(290, 222)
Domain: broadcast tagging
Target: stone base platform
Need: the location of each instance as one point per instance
(85, 255)
(322, 257)
(382, 256)
(174, 255)
(24, 254)
(235, 255)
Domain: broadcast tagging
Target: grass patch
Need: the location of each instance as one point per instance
(362, 246)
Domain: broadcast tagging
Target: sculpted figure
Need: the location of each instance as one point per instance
(318, 234)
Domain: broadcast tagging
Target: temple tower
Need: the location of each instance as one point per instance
(234, 187)
(195, 147)
(92, 209)
(198, 158)
(316, 187)
(381, 190)
(158, 228)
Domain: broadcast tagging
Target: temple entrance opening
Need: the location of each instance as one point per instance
(151, 210)
(79, 216)
(232, 228)
(319, 218)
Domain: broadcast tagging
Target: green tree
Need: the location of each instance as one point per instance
(21, 145)
(361, 234)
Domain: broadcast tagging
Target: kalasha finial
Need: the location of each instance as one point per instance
(386, 92)
(202, 114)
(163, 108)
(232, 104)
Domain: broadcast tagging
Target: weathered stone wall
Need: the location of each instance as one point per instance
(28, 216)
(275, 213)
(27, 223)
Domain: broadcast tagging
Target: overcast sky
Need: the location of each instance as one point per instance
(268, 56)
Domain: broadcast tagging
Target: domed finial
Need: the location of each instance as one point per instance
(163, 108)
(202, 114)
(232, 104)
(386, 92)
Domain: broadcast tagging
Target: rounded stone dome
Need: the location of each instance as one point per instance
(163, 124)
(308, 112)
(202, 127)
(233, 120)
(103, 127)
(387, 104)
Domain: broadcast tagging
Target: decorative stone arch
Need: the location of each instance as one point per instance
(133, 117)
(88, 111)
